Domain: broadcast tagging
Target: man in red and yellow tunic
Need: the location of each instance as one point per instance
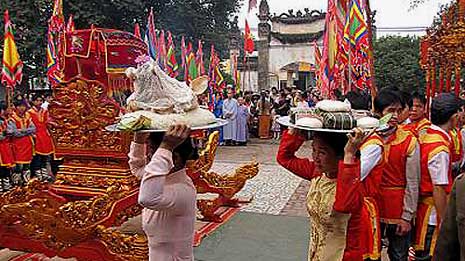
(23, 130)
(436, 170)
(400, 179)
(363, 189)
(418, 120)
(44, 146)
(362, 192)
(7, 160)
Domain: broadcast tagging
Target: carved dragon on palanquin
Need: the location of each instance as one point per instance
(225, 186)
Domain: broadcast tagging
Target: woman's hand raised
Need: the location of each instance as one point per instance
(355, 140)
(175, 136)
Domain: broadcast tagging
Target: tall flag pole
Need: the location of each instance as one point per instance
(57, 21)
(318, 66)
(55, 51)
(184, 58)
(137, 31)
(161, 58)
(370, 53)
(235, 73)
(326, 74)
(12, 72)
(199, 60)
(172, 64)
(151, 36)
(70, 27)
(53, 70)
(191, 65)
(211, 80)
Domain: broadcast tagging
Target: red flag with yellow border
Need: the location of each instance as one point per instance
(12, 72)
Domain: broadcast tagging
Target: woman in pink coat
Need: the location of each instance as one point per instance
(166, 192)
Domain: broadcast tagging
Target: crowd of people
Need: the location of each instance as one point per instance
(26, 146)
(390, 187)
(251, 114)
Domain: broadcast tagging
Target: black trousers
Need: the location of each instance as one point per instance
(398, 245)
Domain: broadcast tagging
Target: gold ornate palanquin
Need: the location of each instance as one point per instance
(93, 159)
(443, 51)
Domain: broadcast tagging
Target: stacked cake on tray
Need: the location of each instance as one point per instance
(332, 115)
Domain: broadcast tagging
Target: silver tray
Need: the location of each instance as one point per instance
(218, 124)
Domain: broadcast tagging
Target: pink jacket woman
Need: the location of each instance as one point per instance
(168, 197)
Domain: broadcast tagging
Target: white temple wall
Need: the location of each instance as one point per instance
(298, 28)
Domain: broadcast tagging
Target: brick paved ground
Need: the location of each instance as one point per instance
(296, 206)
(275, 191)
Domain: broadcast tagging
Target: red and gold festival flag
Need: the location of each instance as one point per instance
(137, 31)
(249, 45)
(53, 72)
(184, 59)
(199, 60)
(70, 26)
(216, 81)
(318, 67)
(191, 64)
(57, 21)
(12, 71)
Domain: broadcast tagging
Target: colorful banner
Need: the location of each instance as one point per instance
(151, 36)
(171, 63)
(249, 45)
(12, 72)
(190, 64)
(357, 47)
(199, 60)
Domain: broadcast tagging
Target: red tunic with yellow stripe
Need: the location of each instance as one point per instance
(6, 152)
(44, 142)
(362, 190)
(23, 143)
(416, 127)
(398, 147)
(432, 143)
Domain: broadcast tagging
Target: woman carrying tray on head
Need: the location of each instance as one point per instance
(339, 185)
(166, 192)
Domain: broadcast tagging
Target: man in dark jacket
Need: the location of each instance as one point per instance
(451, 241)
